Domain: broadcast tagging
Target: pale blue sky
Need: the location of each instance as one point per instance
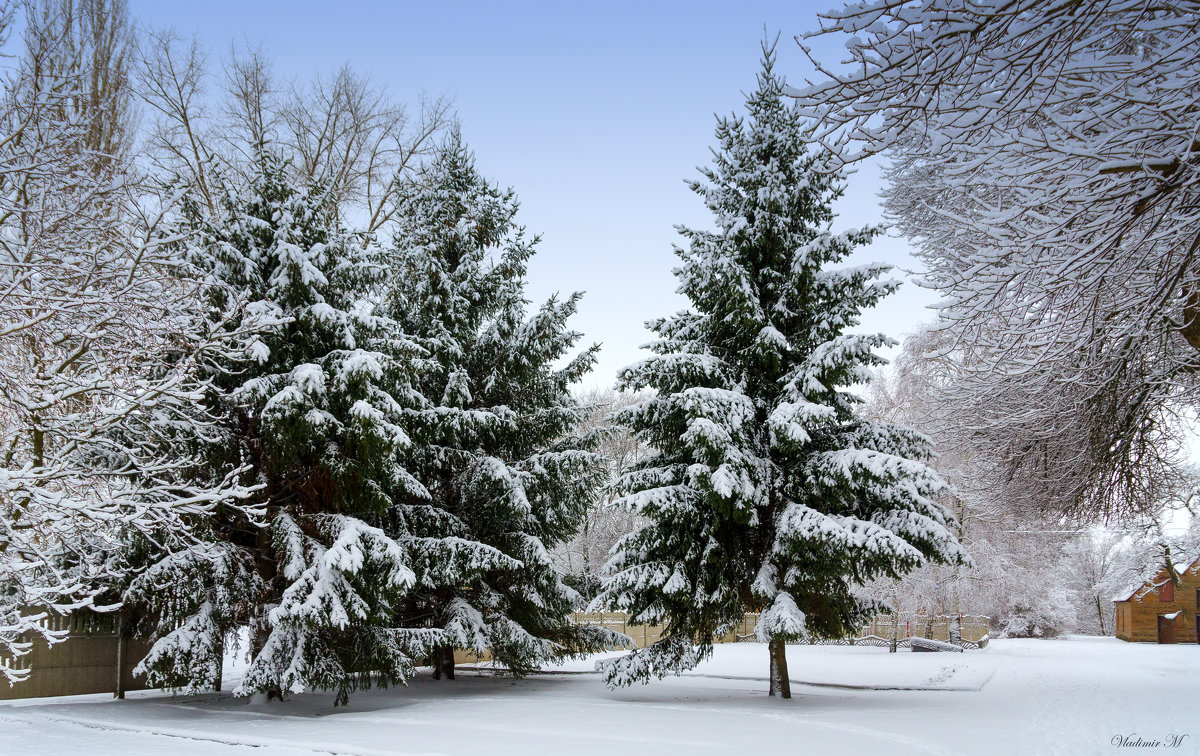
(594, 113)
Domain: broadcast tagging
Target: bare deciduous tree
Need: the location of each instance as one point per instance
(1035, 573)
(99, 354)
(584, 556)
(342, 131)
(1046, 162)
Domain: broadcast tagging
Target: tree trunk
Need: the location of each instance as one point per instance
(587, 548)
(955, 631)
(443, 662)
(220, 665)
(895, 620)
(780, 684)
(39, 445)
(1100, 612)
(258, 641)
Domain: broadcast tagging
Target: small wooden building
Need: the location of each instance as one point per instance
(1162, 610)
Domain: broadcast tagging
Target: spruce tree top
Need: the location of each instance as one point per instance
(760, 274)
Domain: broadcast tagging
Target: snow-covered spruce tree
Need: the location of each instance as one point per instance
(767, 491)
(493, 439)
(315, 411)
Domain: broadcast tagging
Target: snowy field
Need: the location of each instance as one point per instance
(1015, 697)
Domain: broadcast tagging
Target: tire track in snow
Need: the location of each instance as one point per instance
(243, 742)
(890, 737)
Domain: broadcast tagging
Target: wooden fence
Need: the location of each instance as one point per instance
(85, 662)
(974, 629)
(644, 635)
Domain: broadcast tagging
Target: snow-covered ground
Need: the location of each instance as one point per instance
(1015, 697)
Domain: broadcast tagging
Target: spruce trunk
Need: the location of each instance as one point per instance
(220, 665)
(780, 684)
(443, 662)
(261, 630)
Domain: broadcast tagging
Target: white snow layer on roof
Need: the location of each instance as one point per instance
(1180, 568)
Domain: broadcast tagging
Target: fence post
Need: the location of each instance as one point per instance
(120, 691)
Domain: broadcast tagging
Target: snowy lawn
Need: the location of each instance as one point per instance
(1015, 697)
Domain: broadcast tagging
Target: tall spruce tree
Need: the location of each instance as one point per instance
(493, 433)
(767, 492)
(316, 412)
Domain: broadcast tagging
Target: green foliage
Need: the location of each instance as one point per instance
(493, 431)
(766, 492)
(315, 411)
